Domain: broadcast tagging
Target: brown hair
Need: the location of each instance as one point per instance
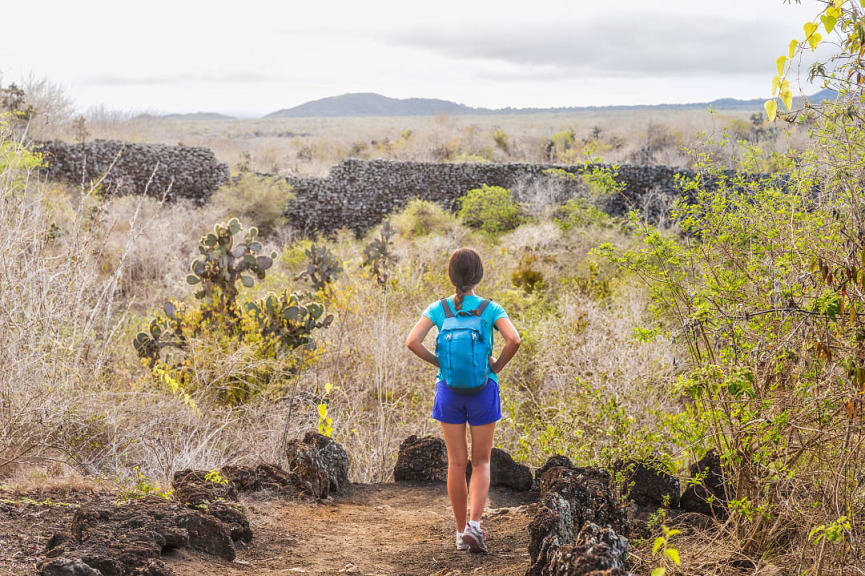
(465, 269)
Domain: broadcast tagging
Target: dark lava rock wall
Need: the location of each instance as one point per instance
(156, 170)
(359, 194)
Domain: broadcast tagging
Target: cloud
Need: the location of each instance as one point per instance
(240, 77)
(647, 44)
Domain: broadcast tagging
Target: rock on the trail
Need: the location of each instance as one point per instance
(192, 487)
(128, 539)
(709, 496)
(552, 462)
(579, 526)
(596, 551)
(505, 471)
(335, 459)
(263, 477)
(589, 491)
(307, 472)
(153, 568)
(421, 460)
(208, 534)
(317, 465)
(550, 529)
(234, 517)
(650, 484)
(68, 567)
(426, 460)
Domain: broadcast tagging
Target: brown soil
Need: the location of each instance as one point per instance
(29, 518)
(385, 529)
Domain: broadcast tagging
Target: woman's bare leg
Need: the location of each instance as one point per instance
(455, 440)
(482, 446)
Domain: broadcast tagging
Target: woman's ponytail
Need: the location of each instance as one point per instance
(458, 299)
(465, 270)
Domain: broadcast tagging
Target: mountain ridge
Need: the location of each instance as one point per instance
(371, 104)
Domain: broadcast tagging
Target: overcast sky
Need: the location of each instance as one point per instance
(253, 57)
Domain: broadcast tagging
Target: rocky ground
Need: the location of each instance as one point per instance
(307, 518)
(374, 529)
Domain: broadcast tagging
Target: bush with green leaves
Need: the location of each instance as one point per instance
(255, 198)
(491, 209)
(422, 218)
(560, 143)
(763, 288)
(579, 213)
(502, 140)
(184, 346)
(602, 182)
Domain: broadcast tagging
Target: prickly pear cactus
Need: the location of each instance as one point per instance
(322, 267)
(271, 327)
(286, 322)
(378, 255)
(224, 259)
(160, 333)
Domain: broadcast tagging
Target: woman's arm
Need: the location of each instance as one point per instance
(414, 342)
(512, 344)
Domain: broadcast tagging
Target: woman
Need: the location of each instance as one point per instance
(454, 407)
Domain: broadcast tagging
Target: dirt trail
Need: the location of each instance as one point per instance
(385, 529)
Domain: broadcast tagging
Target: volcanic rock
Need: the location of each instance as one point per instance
(421, 460)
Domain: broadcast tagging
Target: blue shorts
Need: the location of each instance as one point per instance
(451, 407)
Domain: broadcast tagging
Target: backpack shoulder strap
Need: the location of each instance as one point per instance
(482, 306)
(447, 308)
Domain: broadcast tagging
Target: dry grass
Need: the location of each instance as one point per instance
(312, 145)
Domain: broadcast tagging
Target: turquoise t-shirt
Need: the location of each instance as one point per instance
(493, 312)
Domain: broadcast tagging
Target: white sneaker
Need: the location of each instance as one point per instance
(475, 537)
(462, 546)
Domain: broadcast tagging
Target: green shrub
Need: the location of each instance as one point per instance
(294, 255)
(561, 174)
(421, 217)
(491, 209)
(602, 182)
(579, 213)
(502, 140)
(562, 142)
(257, 199)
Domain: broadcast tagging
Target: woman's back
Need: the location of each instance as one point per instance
(493, 312)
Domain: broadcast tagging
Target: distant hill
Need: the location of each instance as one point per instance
(371, 104)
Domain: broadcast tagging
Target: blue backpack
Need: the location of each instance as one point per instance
(463, 350)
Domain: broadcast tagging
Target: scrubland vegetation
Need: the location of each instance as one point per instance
(132, 344)
(310, 146)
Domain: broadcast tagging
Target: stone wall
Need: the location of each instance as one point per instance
(356, 194)
(154, 169)
(359, 194)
